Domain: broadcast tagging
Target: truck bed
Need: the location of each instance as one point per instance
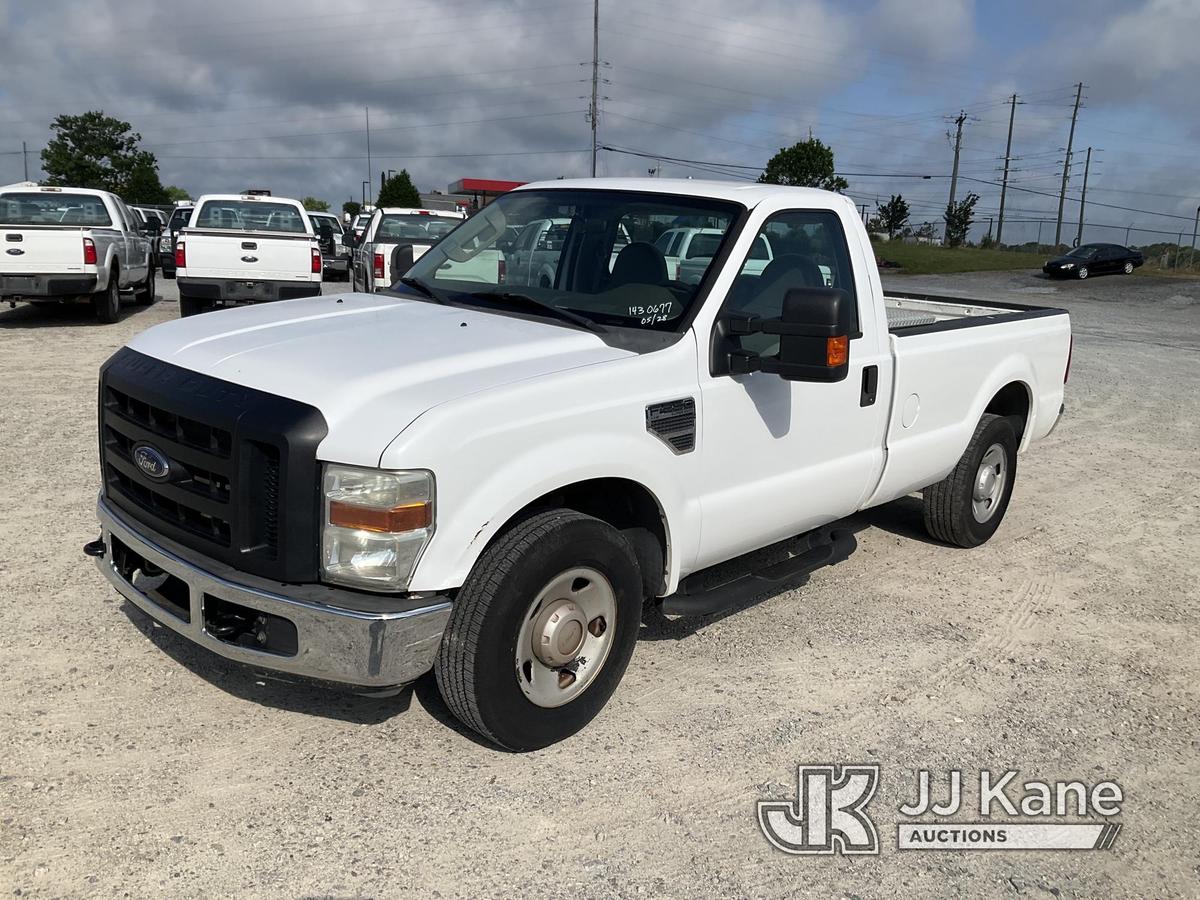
(909, 314)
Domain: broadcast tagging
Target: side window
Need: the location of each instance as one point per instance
(664, 242)
(807, 250)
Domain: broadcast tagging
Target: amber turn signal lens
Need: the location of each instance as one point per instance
(398, 519)
(837, 351)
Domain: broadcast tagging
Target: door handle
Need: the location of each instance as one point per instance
(870, 385)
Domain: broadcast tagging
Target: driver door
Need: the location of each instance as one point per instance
(782, 457)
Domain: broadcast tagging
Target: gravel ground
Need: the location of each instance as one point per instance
(135, 765)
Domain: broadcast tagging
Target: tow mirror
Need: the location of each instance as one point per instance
(814, 337)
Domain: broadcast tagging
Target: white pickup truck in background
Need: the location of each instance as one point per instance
(491, 481)
(245, 248)
(63, 244)
(380, 258)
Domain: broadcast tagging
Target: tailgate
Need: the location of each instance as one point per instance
(386, 250)
(41, 250)
(248, 256)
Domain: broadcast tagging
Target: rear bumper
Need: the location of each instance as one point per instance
(46, 286)
(375, 648)
(339, 264)
(224, 290)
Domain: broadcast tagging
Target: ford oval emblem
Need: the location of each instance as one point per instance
(15, 251)
(152, 463)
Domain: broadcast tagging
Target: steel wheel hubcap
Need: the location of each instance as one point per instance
(565, 636)
(990, 479)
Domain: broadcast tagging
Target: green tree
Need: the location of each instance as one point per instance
(176, 193)
(352, 208)
(806, 164)
(959, 217)
(312, 204)
(399, 191)
(893, 215)
(96, 151)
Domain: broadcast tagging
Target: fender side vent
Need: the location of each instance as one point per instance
(674, 423)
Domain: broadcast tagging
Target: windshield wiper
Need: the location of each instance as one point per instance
(550, 309)
(421, 288)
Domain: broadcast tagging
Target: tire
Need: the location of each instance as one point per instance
(951, 513)
(1128, 268)
(108, 303)
(1082, 273)
(479, 669)
(192, 306)
(144, 295)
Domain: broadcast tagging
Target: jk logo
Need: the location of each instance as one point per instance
(827, 815)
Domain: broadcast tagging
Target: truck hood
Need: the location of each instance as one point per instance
(370, 363)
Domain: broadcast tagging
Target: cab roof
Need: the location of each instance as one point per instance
(748, 194)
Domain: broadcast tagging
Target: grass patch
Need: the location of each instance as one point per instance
(929, 259)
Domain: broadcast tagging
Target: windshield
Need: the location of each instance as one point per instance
(1083, 252)
(413, 227)
(592, 253)
(38, 208)
(250, 215)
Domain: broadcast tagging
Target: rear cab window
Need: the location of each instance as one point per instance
(46, 208)
(251, 215)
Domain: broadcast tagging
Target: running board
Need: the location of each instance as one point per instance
(825, 547)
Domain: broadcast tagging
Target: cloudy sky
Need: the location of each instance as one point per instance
(232, 94)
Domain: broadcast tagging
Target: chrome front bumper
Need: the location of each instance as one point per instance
(353, 647)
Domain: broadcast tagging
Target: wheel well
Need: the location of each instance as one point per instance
(624, 505)
(1012, 401)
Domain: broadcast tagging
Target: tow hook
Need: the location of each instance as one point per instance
(95, 548)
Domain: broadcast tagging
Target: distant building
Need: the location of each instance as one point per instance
(481, 191)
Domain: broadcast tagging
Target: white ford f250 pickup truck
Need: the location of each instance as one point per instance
(245, 248)
(65, 244)
(397, 237)
(490, 483)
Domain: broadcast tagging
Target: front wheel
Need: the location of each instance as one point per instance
(1082, 273)
(1128, 268)
(542, 631)
(966, 507)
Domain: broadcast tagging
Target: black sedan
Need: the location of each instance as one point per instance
(1094, 259)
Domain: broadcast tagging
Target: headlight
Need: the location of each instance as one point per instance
(1068, 265)
(376, 525)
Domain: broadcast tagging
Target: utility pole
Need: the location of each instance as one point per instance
(1195, 227)
(593, 108)
(990, 219)
(25, 159)
(1083, 197)
(1062, 194)
(1012, 114)
(863, 207)
(370, 175)
(962, 117)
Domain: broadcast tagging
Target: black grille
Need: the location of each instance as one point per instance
(674, 423)
(242, 483)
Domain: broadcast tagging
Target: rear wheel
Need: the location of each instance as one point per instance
(108, 302)
(144, 294)
(966, 507)
(542, 631)
(192, 306)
